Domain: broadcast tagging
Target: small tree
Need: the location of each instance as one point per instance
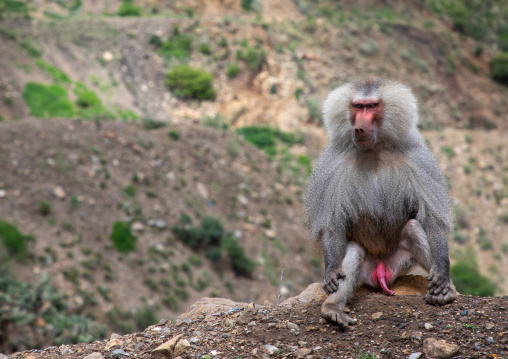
(188, 82)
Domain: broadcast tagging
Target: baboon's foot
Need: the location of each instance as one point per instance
(441, 290)
(334, 312)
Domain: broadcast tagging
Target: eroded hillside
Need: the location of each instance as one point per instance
(67, 181)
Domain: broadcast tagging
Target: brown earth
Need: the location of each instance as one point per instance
(387, 327)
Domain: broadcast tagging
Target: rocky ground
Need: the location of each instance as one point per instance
(401, 326)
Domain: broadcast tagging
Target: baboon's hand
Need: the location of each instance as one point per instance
(331, 280)
(441, 289)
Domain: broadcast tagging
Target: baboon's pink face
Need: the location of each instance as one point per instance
(366, 118)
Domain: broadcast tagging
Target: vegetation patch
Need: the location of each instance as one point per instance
(14, 241)
(88, 103)
(13, 8)
(211, 238)
(190, 83)
(47, 100)
(254, 56)
(58, 75)
(265, 137)
(127, 8)
(467, 278)
(123, 240)
(499, 67)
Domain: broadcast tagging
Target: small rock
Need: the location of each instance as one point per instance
(247, 316)
(166, 349)
(243, 200)
(119, 352)
(181, 346)
(3, 356)
(270, 233)
(270, 349)
(429, 326)
(434, 348)
(415, 355)
(138, 227)
(113, 343)
(302, 352)
(489, 326)
(377, 315)
(2, 195)
(59, 193)
(490, 340)
(108, 56)
(202, 190)
(464, 312)
(66, 350)
(194, 340)
(115, 336)
(292, 326)
(322, 321)
(252, 324)
(157, 223)
(95, 355)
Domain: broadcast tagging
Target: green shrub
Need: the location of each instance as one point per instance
(13, 8)
(14, 241)
(241, 264)
(188, 82)
(174, 135)
(44, 207)
(30, 49)
(499, 67)
(264, 137)
(130, 190)
(205, 49)
(247, 5)
(156, 41)
(208, 234)
(47, 101)
(253, 56)
(150, 124)
(127, 8)
(88, 103)
(468, 280)
(123, 240)
(217, 121)
(58, 75)
(314, 109)
(233, 70)
(178, 46)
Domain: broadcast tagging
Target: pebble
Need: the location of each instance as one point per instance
(417, 355)
(270, 349)
(59, 193)
(95, 355)
(490, 340)
(377, 315)
(181, 346)
(120, 352)
(429, 326)
(292, 326)
(464, 312)
(489, 326)
(252, 324)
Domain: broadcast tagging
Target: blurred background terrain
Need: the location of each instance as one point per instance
(154, 151)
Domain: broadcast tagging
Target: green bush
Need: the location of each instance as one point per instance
(467, 278)
(22, 300)
(13, 8)
(247, 5)
(30, 49)
(188, 82)
(44, 207)
(123, 240)
(499, 67)
(127, 8)
(151, 124)
(241, 264)
(253, 56)
(264, 137)
(205, 49)
(47, 101)
(58, 75)
(89, 104)
(208, 234)
(233, 70)
(14, 241)
(178, 46)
